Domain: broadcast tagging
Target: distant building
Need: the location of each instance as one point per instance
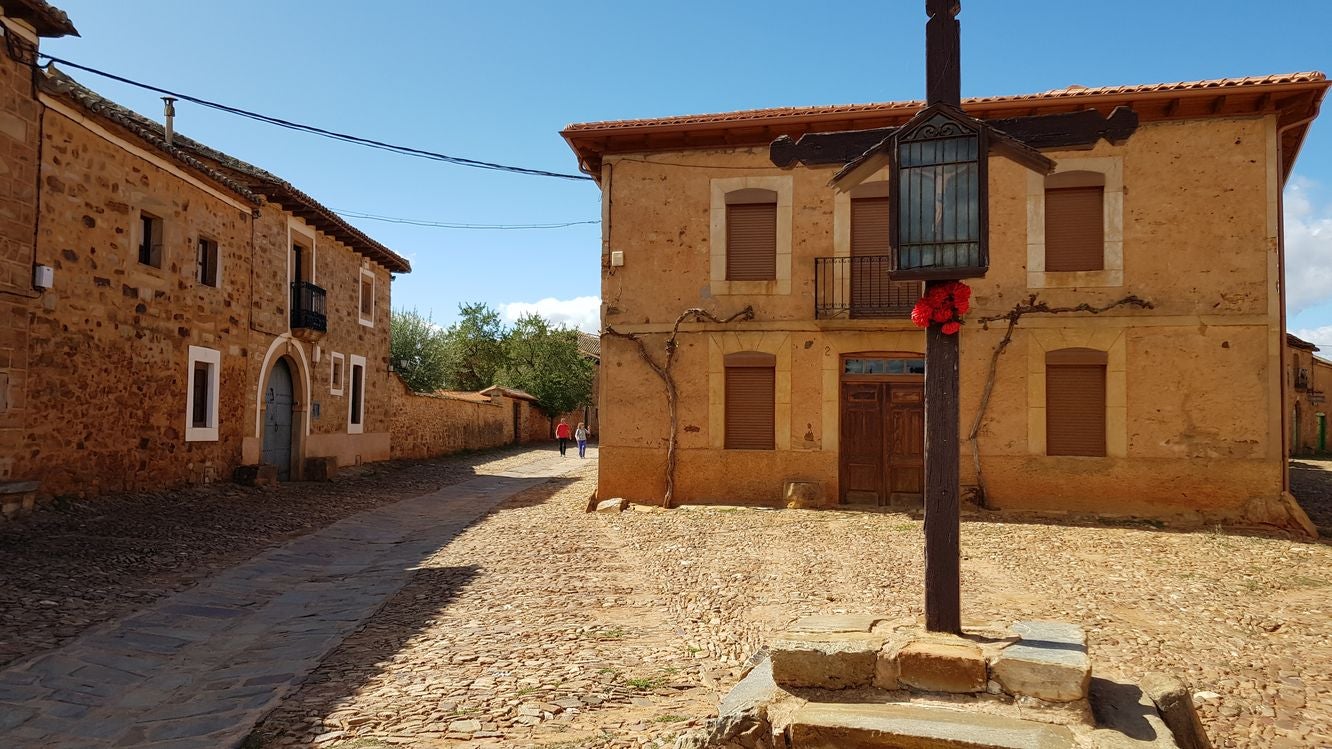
(1308, 379)
(181, 312)
(1172, 412)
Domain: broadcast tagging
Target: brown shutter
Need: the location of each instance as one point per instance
(1074, 229)
(751, 395)
(870, 288)
(1075, 402)
(751, 242)
(869, 226)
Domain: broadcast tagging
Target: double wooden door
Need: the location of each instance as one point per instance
(882, 443)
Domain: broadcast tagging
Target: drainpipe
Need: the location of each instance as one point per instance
(169, 105)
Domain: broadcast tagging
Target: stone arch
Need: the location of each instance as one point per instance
(287, 349)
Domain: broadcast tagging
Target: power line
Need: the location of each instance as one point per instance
(404, 150)
(454, 225)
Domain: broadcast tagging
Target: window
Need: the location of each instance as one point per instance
(201, 394)
(884, 366)
(872, 293)
(367, 303)
(751, 395)
(1075, 222)
(150, 239)
(751, 235)
(335, 375)
(1075, 402)
(356, 403)
(206, 262)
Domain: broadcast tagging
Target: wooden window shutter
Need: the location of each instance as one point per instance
(751, 396)
(1075, 228)
(751, 242)
(869, 226)
(1075, 402)
(870, 287)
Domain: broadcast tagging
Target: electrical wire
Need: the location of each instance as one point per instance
(368, 142)
(454, 225)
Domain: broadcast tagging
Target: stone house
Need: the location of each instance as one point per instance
(1171, 193)
(1308, 378)
(182, 312)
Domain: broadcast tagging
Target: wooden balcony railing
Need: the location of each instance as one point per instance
(307, 307)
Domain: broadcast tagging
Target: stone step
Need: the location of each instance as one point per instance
(905, 726)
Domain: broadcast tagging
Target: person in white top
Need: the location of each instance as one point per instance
(580, 434)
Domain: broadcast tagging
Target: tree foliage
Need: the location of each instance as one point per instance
(416, 347)
(474, 348)
(544, 360)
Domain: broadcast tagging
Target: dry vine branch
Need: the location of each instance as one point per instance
(1031, 306)
(696, 314)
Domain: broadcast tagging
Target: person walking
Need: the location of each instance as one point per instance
(580, 436)
(562, 434)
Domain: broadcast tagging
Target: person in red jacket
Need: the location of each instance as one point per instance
(562, 434)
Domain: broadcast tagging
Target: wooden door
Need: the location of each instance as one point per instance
(862, 444)
(906, 443)
(277, 419)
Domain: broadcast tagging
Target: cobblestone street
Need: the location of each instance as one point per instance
(537, 624)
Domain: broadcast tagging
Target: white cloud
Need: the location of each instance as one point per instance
(1308, 246)
(1320, 336)
(583, 312)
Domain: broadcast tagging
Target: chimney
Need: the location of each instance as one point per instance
(169, 104)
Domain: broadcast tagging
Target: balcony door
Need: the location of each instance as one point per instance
(872, 293)
(882, 444)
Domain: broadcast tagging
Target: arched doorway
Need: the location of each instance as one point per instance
(279, 397)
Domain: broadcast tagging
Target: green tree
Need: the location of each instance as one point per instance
(474, 348)
(416, 347)
(544, 360)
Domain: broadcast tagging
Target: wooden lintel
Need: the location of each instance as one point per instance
(1069, 130)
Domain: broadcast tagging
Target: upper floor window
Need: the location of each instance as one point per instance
(750, 400)
(206, 262)
(335, 375)
(150, 239)
(367, 297)
(751, 235)
(1075, 402)
(1075, 221)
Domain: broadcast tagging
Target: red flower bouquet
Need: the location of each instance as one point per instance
(945, 304)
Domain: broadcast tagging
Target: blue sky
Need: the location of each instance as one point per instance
(496, 81)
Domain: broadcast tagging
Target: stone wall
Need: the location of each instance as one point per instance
(18, 205)
(426, 425)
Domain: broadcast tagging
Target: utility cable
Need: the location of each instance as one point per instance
(454, 225)
(368, 142)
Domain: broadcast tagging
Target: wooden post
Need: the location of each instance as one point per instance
(943, 587)
(943, 583)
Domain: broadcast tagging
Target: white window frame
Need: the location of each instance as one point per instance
(137, 237)
(354, 361)
(212, 357)
(369, 322)
(337, 385)
(217, 272)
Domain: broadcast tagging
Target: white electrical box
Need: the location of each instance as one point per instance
(43, 276)
(617, 258)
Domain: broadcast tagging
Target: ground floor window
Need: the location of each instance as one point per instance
(751, 396)
(335, 376)
(356, 401)
(1075, 402)
(201, 394)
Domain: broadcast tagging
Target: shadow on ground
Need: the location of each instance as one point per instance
(1311, 483)
(82, 562)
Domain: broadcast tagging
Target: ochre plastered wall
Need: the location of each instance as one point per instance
(108, 355)
(1194, 395)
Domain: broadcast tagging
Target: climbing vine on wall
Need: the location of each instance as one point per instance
(663, 371)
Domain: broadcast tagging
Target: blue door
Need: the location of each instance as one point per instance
(277, 419)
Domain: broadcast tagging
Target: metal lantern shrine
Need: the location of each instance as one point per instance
(939, 196)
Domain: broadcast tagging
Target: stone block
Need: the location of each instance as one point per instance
(611, 505)
(942, 665)
(1174, 700)
(880, 726)
(803, 494)
(1049, 662)
(830, 661)
(256, 475)
(323, 468)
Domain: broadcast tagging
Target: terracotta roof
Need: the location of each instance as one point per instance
(49, 20)
(1295, 341)
(509, 393)
(240, 177)
(589, 345)
(1068, 92)
(1295, 96)
(462, 395)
